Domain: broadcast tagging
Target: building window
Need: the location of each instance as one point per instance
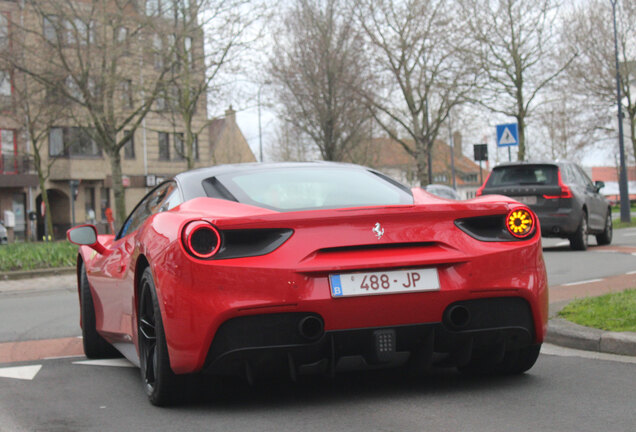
(73, 89)
(188, 51)
(8, 161)
(152, 7)
(72, 141)
(4, 31)
(129, 147)
(79, 32)
(164, 146)
(49, 28)
(121, 36)
(157, 45)
(5, 83)
(56, 142)
(126, 94)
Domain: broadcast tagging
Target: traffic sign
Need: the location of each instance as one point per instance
(507, 135)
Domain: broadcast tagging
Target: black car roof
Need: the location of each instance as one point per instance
(533, 162)
(191, 182)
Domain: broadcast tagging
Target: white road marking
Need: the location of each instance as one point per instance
(631, 272)
(563, 243)
(554, 350)
(119, 362)
(582, 282)
(62, 357)
(631, 234)
(20, 372)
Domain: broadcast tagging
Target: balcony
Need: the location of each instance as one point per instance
(17, 171)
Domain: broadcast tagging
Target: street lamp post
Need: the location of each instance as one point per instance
(260, 130)
(622, 182)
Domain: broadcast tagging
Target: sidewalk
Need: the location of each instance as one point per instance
(565, 333)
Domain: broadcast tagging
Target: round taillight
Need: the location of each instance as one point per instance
(201, 239)
(520, 222)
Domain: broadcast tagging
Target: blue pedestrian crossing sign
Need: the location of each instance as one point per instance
(507, 135)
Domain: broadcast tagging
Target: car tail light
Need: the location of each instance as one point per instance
(201, 239)
(520, 222)
(565, 191)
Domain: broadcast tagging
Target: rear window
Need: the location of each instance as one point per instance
(523, 175)
(304, 188)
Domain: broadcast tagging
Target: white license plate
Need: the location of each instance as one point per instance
(387, 282)
(527, 199)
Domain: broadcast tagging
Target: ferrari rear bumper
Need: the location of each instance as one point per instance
(296, 343)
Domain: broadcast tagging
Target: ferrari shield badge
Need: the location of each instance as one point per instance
(378, 230)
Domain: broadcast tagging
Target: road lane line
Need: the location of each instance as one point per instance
(582, 282)
(20, 372)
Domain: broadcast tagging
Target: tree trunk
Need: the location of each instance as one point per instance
(118, 187)
(521, 129)
(421, 161)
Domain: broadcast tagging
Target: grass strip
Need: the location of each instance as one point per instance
(611, 312)
(40, 255)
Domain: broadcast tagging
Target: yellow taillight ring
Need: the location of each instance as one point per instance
(521, 222)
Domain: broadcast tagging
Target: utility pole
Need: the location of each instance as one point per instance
(622, 182)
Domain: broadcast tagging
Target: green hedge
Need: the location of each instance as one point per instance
(40, 255)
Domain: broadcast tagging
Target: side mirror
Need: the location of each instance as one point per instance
(85, 235)
(599, 185)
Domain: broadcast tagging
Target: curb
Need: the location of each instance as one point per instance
(565, 333)
(28, 274)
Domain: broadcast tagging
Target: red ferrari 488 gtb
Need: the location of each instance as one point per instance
(311, 268)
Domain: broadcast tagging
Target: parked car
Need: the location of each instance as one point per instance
(442, 191)
(3, 235)
(310, 268)
(564, 198)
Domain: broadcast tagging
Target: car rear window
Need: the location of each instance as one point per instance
(523, 175)
(304, 188)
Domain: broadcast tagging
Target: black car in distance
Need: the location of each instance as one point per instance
(562, 195)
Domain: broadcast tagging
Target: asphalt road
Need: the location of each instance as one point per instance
(559, 394)
(566, 391)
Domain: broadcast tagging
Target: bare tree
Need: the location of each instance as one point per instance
(80, 52)
(197, 62)
(418, 50)
(290, 145)
(319, 68)
(517, 53)
(591, 78)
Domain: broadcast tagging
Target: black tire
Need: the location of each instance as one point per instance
(95, 346)
(605, 237)
(514, 362)
(161, 384)
(579, 239)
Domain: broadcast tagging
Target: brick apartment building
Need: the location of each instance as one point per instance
(147, 158)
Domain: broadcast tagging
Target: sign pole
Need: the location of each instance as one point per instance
(509, 155)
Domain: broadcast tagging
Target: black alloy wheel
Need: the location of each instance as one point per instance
(605, 237)
(95, 346)
(161, 385)
(579, 240)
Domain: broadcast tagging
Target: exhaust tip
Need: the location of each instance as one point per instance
(311, 327)
(458, 316)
